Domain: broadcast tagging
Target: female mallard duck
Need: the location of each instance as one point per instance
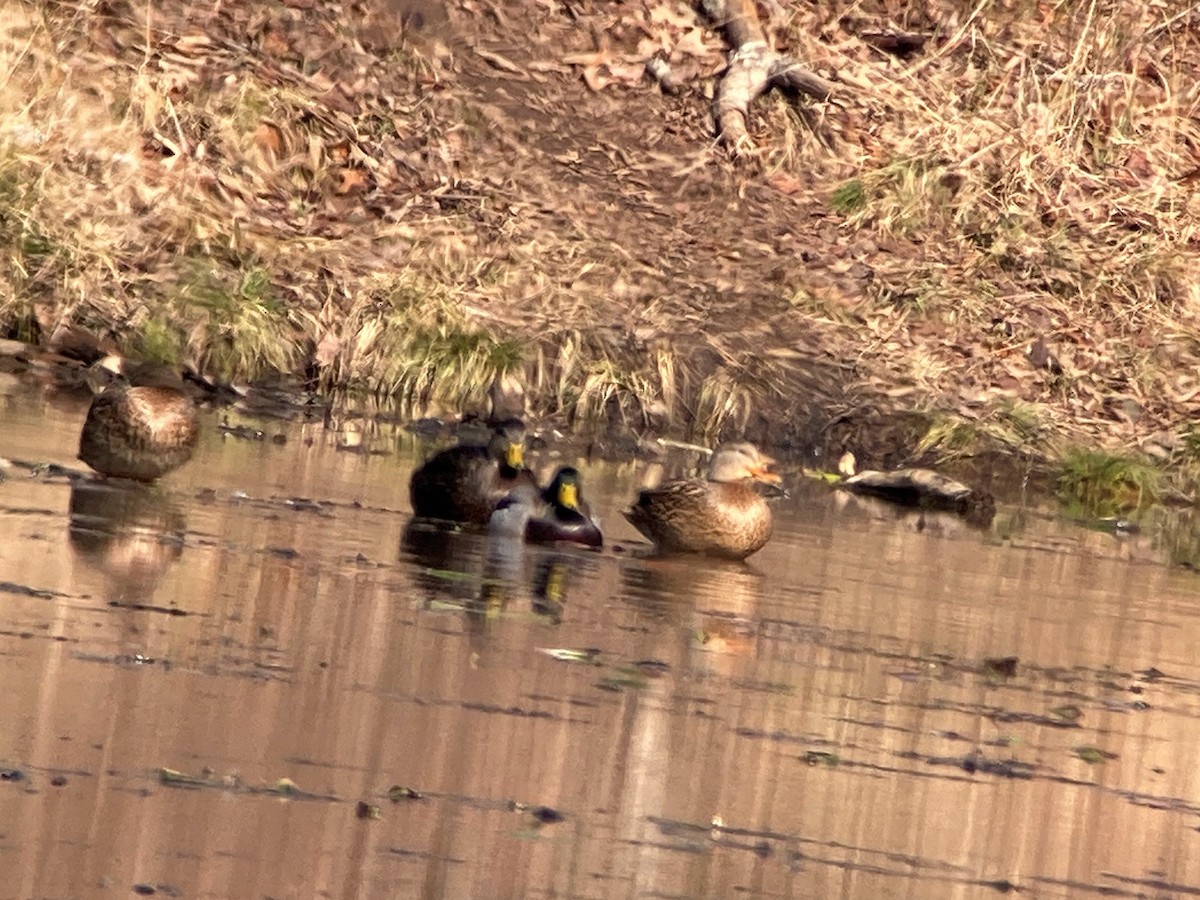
(139, 432)
(723, 515)
(558, 513)
(464, 483)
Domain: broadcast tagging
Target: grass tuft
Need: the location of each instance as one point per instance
(239, 328)
(1096, 484)
(1009, 428)
(849, 197)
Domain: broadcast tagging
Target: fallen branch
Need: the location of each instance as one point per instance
(754, 68)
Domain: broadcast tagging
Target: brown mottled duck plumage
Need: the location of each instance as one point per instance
(721, 515)
(465, 483)
(139, 432)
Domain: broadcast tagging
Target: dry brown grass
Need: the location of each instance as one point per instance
(1038, 164)
(254, 190)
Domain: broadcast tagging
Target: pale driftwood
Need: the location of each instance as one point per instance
(661, 72)
(754, 68)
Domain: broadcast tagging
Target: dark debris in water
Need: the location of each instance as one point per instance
(653, 668)
(11, 775)
(405, 853)
(148, 890)
(166, 890)
(397, 792)
(241, 432)
(150, 607)
(547, 815)
(208, 779)
(1004, 716)
(776, 736)
(133, 660)
(539, 815)
(509, 710)
(1068, 712)
(623, 679)
(8, 587)
(1093, 755)
(1002, 666)
(820, 758)
(304, 504)
(1002, 886)
(977, 762)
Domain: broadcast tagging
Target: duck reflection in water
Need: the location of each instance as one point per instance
(489, 576)
(550, 586)
(706, 616)
(446, 563)
(131, 534)
(462, 570)
(512, 563)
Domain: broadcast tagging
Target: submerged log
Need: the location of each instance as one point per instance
(924, 488)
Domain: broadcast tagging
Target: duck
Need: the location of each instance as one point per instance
(138, 431)
(721, 515)
(465, 483)
(557, 513)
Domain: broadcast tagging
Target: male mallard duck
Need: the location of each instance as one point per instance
(464, 483)
(558, 513)
(139, 432)
(723, 515)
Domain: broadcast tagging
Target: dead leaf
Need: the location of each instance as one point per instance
(591, 59)
(503, 63)
(1040, 357)
(677, 15)
(352, 181)
(339, 153)
(785, 183)
(327, 350)
(594, 80)
(692, 43)
(1139, 163)
(269, 138)
(275, 44)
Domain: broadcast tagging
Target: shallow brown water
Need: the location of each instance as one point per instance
(828, 705)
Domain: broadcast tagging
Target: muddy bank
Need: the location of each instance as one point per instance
(814, 437)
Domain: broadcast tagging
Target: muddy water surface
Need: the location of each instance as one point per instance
(209, 689)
